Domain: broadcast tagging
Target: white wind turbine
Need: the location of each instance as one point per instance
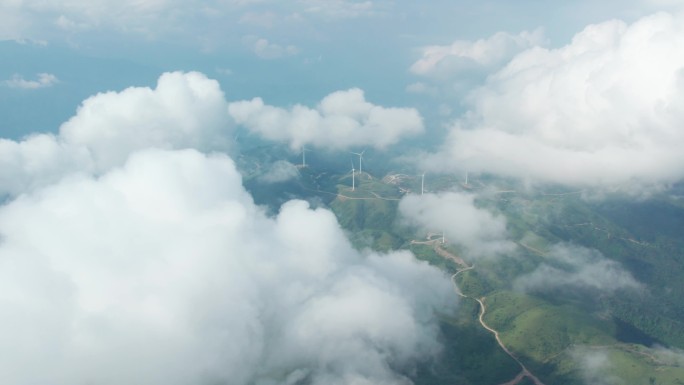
(360, 154)
(353, 172)
(422, 184)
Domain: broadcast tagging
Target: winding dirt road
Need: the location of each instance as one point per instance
(483, 309)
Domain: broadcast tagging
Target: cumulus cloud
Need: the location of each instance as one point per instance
(37, 161)
(280, 171)
(341, 120)
(164, 271)
(128, 256)
(184, 110)
(480, 231)
(571, 266)
(43, 80)
(496, 50)
(602, 111)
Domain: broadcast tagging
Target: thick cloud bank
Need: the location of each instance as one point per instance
(133, 265)
(602, 111)
(185, 110)
(481, 232)
(571, 266)
(341, 120)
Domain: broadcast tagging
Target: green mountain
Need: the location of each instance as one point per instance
(561, 335)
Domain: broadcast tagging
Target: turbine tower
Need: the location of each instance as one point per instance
(422, 184)
(360, 154)
(443, 239)
(466, 181)
(353, 171)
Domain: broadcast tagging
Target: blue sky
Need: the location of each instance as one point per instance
(285, 52)
(462, 65)
(490, 80)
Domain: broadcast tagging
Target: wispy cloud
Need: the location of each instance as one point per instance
(595, 366)
(479, 230)
(339, 8)
(279, 171)
(43, 80)
(571, 266)
(489, 52)
(265, 49)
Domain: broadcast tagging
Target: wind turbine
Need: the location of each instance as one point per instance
(466, 181)
(360, 154)
(422, 184)
(443, 239)
(353, 171)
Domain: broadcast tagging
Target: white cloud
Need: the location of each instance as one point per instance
(601, 366)
(280, 171)
(341, 120)
(164, 271)
(602, 111)
(43, 80)
(462, 54)
(420, 88)
(130, 257)
(596, 366)
(570, 266)
(184, 110)
(37, 161)
(480, 231)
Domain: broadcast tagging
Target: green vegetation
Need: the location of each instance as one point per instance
(427, 253)
(545, 330)
(470, 357)
(539, 331)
